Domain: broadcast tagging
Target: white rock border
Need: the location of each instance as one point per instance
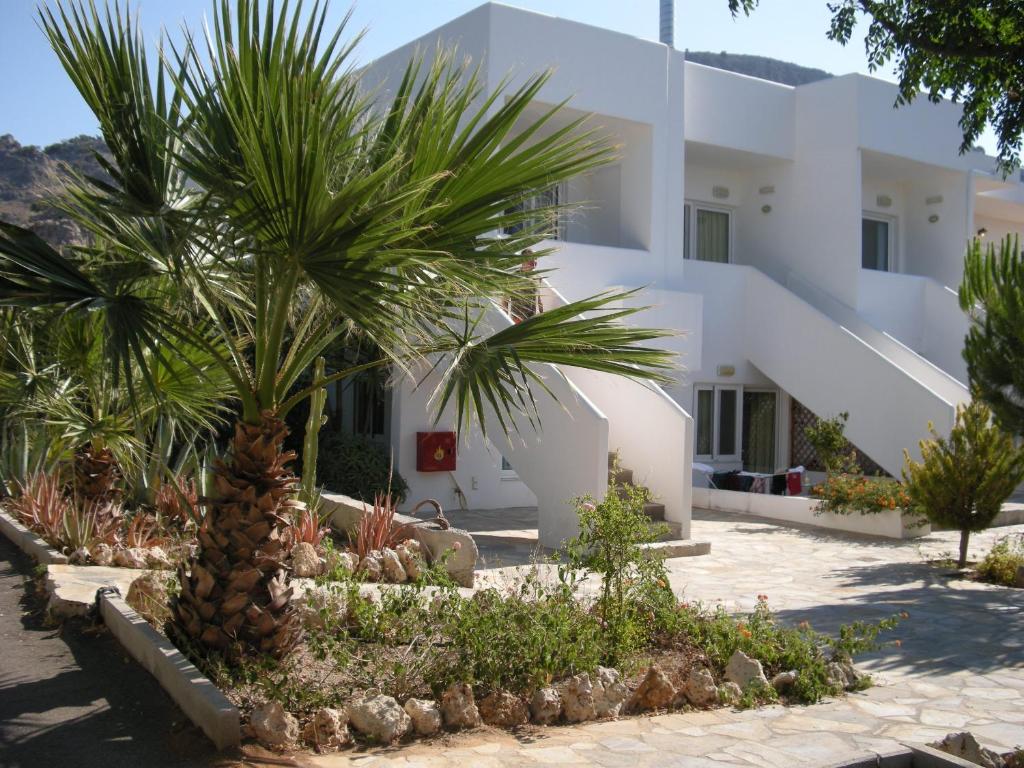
(28, 542)
(201, 700)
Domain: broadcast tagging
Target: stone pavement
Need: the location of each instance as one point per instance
(959, 664)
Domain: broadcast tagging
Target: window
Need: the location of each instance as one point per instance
(876, 243)
(718, 421)
(734, 424)
(542, 202)
(508, 472)
(707, 233)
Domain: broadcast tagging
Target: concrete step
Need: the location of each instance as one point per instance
(654, 511)
(678, 548)
(620, 477)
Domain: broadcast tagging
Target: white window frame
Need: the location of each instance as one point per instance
(690, 208)
(893, 222)
(716, 418)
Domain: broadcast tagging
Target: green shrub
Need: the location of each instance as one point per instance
(827, 437)
(962, 481)
(1000, 565)
(357, 467)
(844, 494)
(633, 581)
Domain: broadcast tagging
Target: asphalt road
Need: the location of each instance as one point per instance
(70, 696)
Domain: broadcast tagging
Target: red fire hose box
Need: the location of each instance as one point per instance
(435, 451)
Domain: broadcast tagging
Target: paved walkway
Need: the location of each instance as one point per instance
(960, 664)
(71, 698)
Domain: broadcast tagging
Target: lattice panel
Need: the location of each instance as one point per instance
(801, 451)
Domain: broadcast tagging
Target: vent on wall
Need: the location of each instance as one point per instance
(883, 201)
(720, 193)
(933, 200)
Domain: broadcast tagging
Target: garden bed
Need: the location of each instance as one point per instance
(892, 524)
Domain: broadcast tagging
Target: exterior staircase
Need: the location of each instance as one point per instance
(621, 479)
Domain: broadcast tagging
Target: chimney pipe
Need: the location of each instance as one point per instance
(667, 26)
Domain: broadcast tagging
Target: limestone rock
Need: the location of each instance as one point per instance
(322, 605)
(345, 561)
(504, 710)
(410, 553)
(147, 595)
(102, 554)
(371, 567)
(157, 558)
(273, 726)
(425, 716)
(850, 673)
(133, 557)
(609, 692)
(655, 692)
(965, 746)
(328, 730)
(305, 560)
(394, 571)
(577, 695)
(545, 705)
(835, 674)
(458, 708)
(700, 689)
(744, 670)
(784, 680)
(380, 718)
(729, 693)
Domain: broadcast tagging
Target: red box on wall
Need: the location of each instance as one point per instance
(435, 451)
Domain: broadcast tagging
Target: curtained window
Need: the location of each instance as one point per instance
(712, 236)
(759, 431)
(875, 244)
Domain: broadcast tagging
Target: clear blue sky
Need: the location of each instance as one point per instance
(39, 106)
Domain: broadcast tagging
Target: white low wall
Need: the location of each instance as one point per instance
(800, 509)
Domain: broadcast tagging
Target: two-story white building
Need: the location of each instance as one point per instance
(805, 241)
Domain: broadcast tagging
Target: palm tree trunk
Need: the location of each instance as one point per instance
(235, 598)
(965, 537)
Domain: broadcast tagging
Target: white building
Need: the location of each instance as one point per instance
(806, 241)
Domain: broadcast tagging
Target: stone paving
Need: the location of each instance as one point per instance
(959, 664)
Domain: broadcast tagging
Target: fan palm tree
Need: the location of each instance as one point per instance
(297, 208)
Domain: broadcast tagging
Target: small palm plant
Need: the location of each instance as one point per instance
(296, 209)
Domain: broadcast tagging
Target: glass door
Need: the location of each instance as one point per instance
(759, 411)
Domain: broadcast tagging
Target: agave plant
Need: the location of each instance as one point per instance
(259, 176)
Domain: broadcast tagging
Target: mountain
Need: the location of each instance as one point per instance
(759, 66)
(30, 175)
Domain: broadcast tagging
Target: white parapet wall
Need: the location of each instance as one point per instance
(894, 524)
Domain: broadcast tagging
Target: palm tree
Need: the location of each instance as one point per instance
(298, 208)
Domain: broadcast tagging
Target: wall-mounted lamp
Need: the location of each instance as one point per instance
(982, 232)
(766, 209)
(933, 218)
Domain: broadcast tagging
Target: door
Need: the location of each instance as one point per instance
(759, 420)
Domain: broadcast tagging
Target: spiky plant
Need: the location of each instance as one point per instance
(295, 210)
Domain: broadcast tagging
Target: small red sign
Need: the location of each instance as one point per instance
(435, 451)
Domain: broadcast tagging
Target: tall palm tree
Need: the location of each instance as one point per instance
(298, 207)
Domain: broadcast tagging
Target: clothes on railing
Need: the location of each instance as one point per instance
(788, 483)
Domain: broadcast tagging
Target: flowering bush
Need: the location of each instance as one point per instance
(845, 494)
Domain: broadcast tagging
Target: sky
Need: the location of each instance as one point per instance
(38, 104)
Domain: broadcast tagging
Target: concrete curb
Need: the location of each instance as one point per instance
(199, 699)
(28, 542)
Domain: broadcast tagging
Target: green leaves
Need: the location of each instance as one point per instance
(992, 293)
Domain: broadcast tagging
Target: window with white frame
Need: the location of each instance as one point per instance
(707, 233)
(878, 242)
(736, 424)
(717, 420)
(542, 202)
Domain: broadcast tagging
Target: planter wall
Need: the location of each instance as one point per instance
(800, 509)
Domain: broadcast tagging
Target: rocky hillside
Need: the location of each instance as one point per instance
(30, 175)
(759, 66)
